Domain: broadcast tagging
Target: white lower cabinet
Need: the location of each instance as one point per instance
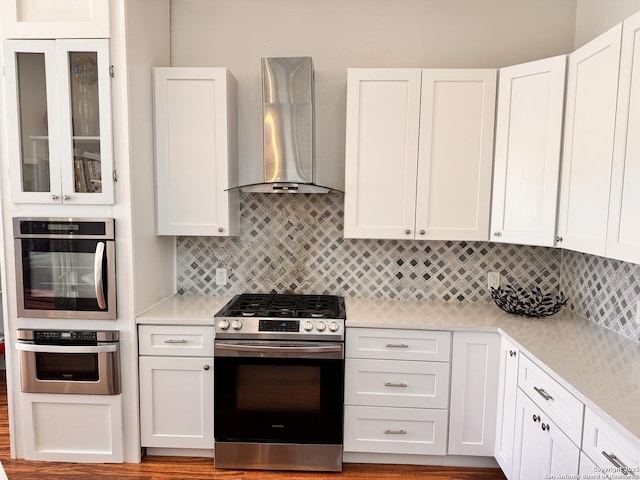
(73, 428)
(474, 393)
(395, 401)
(542, 450)
(176, 390)
(506, 414)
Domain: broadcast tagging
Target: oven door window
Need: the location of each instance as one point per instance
(60, 274)
(78, 367)
(278, 400)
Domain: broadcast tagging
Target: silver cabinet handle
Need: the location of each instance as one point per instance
(220, 229)
(397, 345)
(616, 462)
(66, 197)
(206, 367)
(497, 234)
(422, 232)
(546, 427)
(97, 275)
(171, 340)
(543, 394)
(55, 197)
(391, 384)
(407, 231)
(536, 418)
(395, 432)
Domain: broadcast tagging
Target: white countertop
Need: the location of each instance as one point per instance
(599, 366)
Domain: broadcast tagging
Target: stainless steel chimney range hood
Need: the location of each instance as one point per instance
(288, 130)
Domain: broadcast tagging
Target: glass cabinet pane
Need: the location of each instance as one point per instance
(85, 111)
(32, 107)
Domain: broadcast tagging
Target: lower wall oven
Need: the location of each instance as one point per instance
(69, 361)
(279, 405)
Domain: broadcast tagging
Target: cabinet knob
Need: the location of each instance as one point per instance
(220, 229)
(512, 353)
(558, 239)
(55, 197)
(407, 231)
(546, 427)
(536, 418)
(206, 367)
(422, 232)
(497, 234)
(66, 197)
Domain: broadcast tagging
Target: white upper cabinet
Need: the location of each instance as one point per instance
(59, 121)
(383, 122)
(455, 154)
(592, 88)
(55, 19)
(418, 153)
(623, 238)
(527, 152)
(196, 151)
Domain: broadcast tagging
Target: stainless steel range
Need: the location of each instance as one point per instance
(279, 382)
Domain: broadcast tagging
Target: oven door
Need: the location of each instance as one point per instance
(66, 278)
(279, 392)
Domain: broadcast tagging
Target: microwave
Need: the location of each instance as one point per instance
(65, 267)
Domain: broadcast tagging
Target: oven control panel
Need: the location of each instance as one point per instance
(270, 328)
(279, 326)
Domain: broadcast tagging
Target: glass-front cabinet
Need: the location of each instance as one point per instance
(59, 121)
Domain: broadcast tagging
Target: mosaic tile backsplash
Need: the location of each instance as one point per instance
(294, 243)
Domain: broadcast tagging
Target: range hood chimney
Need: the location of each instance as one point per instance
(288, 135)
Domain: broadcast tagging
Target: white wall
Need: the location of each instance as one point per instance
(356, 33)
(594, 17)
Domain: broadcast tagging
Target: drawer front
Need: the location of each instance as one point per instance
(554, 400)
(175, 340)
(608, 448)
(394, 383)
(389, 344)
(395, 430)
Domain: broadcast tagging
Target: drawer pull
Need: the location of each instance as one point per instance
(391, 384)
(543, 394)
(536, 418)
(397, 345)
(175, 341)
(546, 427)
(616, 462)
(395, 432)
(512, 353)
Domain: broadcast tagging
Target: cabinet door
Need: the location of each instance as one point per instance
(59, 120)
(383, 118)
(69, 19)
(588, 143)
(176, 402)
(527, 155)
(542, 450)
(474, 393)
(196, 151)
(456, 154)
(506, 415)
(623, 239)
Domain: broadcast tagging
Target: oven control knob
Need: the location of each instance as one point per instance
(321, 326)
(308, 326)
(236, 324)
(223, 324)
(334, 327)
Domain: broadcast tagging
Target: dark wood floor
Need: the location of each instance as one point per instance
(180, 468)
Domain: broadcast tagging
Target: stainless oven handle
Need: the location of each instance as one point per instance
(31, 347)
(97, 273)
(278, 350)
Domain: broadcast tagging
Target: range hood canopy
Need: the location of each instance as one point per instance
(288, 130)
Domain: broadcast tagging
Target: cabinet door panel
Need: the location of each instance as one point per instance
(623, 239)
(456, 154)
(383, 116)
(592, 88)
(527, 158)
(507, 390)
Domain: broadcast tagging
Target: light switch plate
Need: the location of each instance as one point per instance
(221, 276)
(493, 280)
(638, 312)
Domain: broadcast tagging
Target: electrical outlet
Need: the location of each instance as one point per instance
(221, 276)
(638, 312)
(493, 280)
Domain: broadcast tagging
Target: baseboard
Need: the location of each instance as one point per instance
(179, 452)
(435, 460)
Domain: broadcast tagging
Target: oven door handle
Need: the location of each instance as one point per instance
(97, 273)
(223, 349)
(31, 347)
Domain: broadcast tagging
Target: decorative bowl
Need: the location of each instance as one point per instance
(527, 302)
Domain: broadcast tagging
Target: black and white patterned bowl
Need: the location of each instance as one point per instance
(527, 302)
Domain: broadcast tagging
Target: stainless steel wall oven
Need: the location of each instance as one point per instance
(65, 267)
(69, 361)
(279, 386)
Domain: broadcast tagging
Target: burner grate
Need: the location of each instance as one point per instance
(284, 306)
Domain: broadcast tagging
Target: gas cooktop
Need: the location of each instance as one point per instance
(277, 316)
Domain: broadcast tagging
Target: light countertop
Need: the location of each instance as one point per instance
(597, 365)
